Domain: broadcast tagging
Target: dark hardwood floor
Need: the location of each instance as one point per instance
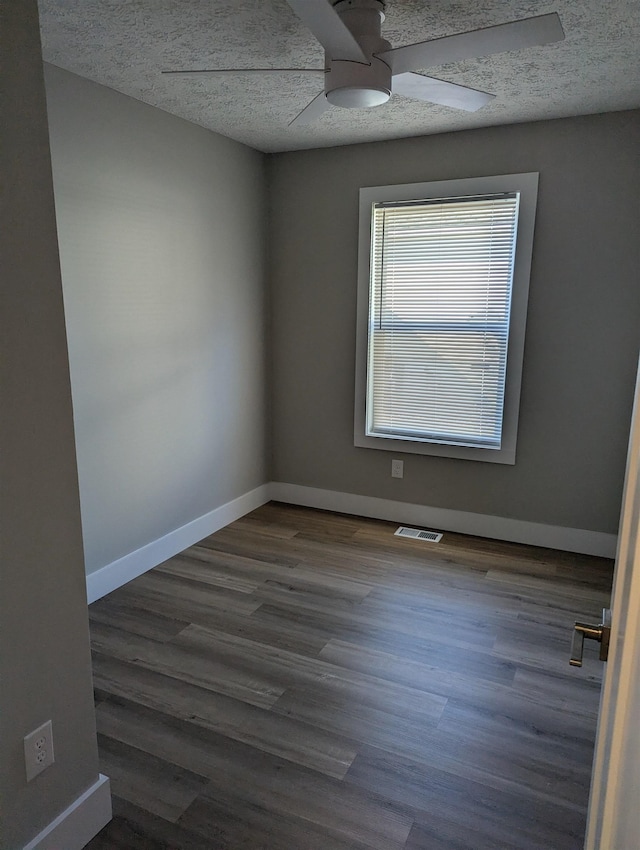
(307, 681)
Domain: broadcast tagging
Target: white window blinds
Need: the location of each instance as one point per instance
(439, 305)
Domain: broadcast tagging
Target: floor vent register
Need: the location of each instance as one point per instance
(418, 534)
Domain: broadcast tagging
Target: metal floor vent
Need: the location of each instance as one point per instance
(417, 534)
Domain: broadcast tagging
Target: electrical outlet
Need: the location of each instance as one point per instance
(38, 750)
(397, 469)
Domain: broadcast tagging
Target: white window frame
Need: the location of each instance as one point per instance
(527, 187)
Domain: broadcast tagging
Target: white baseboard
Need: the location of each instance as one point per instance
(119, 572)
(463, 522)
(114, 575)
(79, 823)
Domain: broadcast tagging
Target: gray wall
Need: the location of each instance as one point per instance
(161, 239)
(45, 667)
(582, 332)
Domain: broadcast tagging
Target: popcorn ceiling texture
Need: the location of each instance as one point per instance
(124, 44)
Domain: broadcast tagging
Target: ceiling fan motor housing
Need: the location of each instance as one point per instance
(356, 84)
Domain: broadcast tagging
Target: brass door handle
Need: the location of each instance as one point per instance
(599, 633)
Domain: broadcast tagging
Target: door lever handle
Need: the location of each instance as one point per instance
(599, 633)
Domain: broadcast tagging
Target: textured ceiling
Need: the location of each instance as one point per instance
(124, 44)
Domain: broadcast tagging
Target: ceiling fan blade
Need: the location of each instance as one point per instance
(439, 91)
(246, 71)
(515, 35)
(313, 110)
(330, 30)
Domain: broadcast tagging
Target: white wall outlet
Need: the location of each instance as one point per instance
(397, 469)
(38, 750)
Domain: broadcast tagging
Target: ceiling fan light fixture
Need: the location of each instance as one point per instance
(358, 97)
(355, 85)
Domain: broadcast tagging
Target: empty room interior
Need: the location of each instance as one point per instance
(271, 293)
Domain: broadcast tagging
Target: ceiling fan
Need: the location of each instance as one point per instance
(362, 69)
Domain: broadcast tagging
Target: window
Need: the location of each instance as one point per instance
(444, 275)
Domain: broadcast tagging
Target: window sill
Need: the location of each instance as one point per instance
(505, 455)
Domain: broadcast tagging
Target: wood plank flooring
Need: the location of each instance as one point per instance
(307, 681)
